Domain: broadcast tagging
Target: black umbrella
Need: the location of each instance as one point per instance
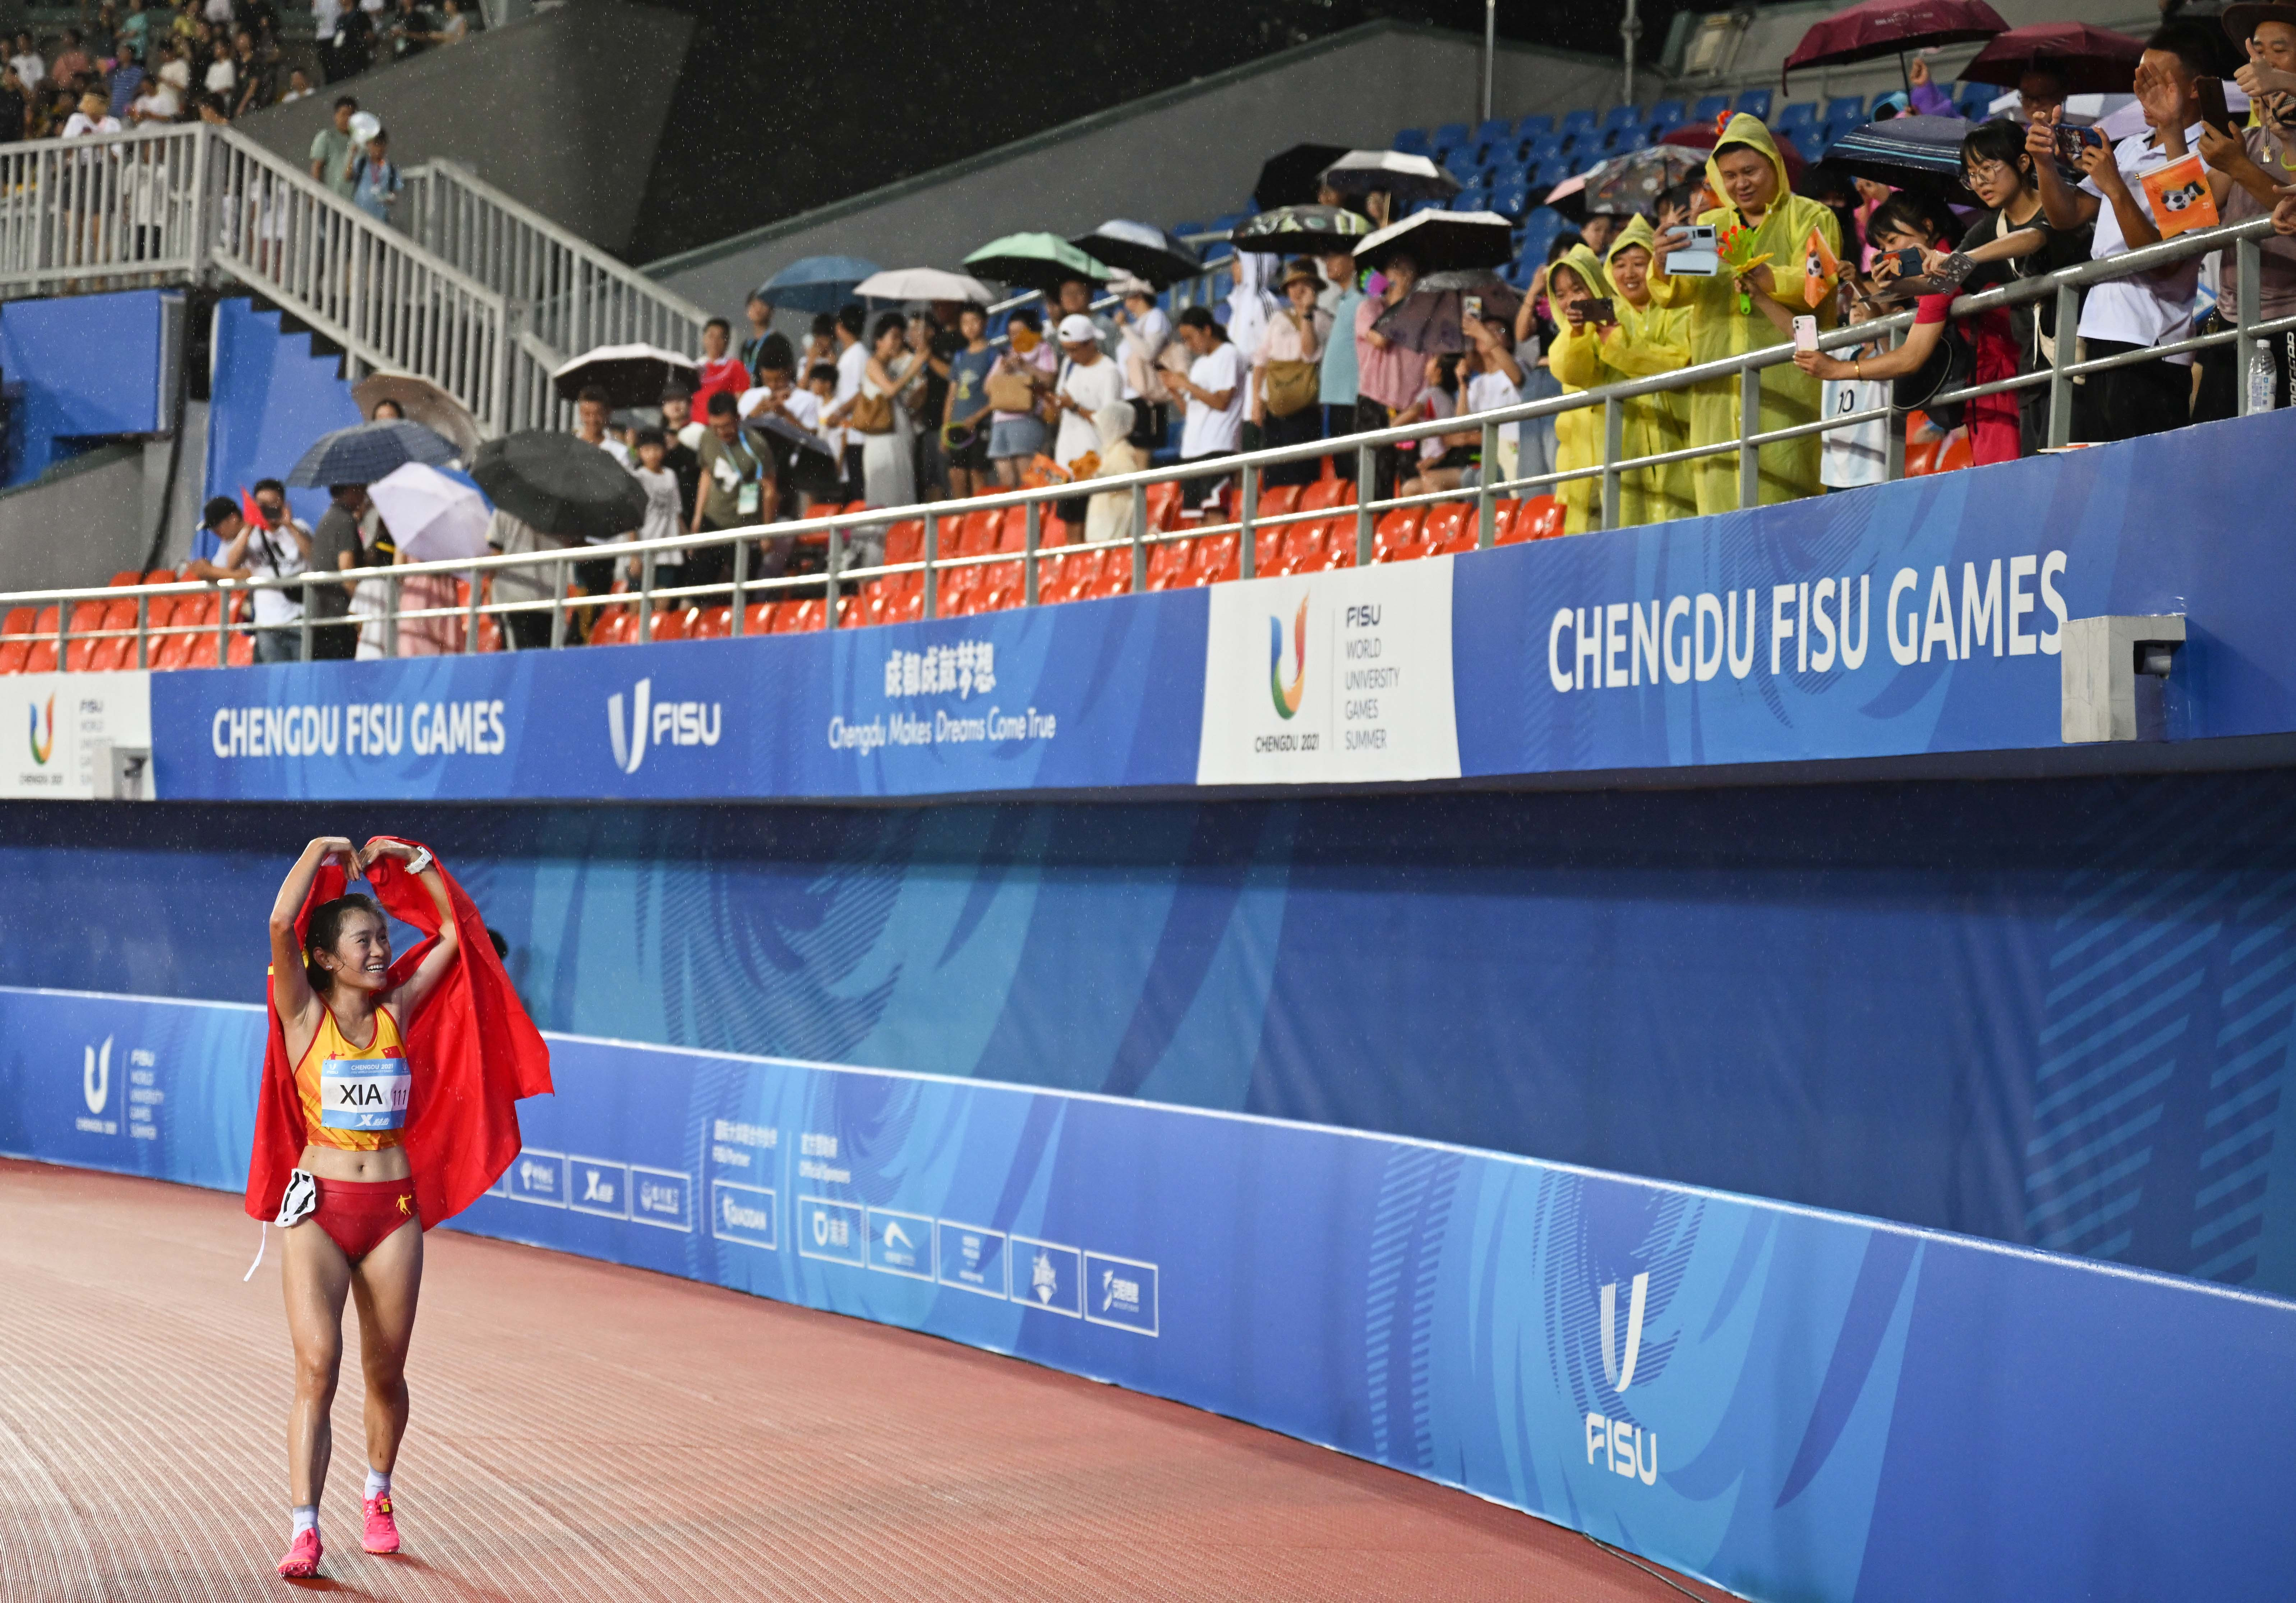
(1910, 152)
(1142, 249)
(1293, 178)
(1313, 230)
(1427, 319)
(1441, 241)
(797, 434)
(560, 485)
(631, 376)
(368, 451)
(1406, 177)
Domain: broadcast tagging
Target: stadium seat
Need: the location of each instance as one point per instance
(1473, 198)
(1495, 127)
(1445, 526)
(1497, 153)
(1844, 108)
(1447, 135)
(1514, 172)
(1623, 117)
(1397, 538)
(1511, 201)
(1533, 124)
(1551, 172)
(1709, 108)
(1539, 149)
(1668, 114)
(1578, 118)
(1630, 139)
(1412, 141)
(1540, 518)
(1755, 103)
(1164, 505)
(1168, 562)
(1798, 115)
(1974, 98)
(667, 623)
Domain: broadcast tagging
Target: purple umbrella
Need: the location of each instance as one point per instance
(2091, 61)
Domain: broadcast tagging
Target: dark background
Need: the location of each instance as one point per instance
(786, 106)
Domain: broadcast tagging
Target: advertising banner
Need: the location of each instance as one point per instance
(1916, 618)
(61, 730)
(1790, 1402)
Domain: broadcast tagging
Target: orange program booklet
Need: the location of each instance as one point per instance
(2179, 196)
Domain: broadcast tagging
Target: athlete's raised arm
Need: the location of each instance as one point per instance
(410, 996)
(290, 988)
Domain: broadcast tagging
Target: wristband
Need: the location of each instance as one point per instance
(421, 861)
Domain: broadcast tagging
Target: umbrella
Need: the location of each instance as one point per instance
(560, 485)
(1882, 27)
(1290, 177)
(1036, 261)
(1697, 138)
(1568, 198)
(815, 283)
(631, 376)
(1427, 319)
(1633, 182)
(1313, 230)
(2091, 61)
(1911, 152)
(369, 451)
(1441, 241)
(922, 283)
(422, 402)
(1143, 249)
(1407, 177)
(797, 434)
(432, 518)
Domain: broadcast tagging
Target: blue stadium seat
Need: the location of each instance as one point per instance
(1185, 230)
(1706, 109)
(1842, 108)
(1462, 165)
(1473, 198)
(1428, 205)
(1668, 114)
(1222, 284)
(1510, 199)
(1800, 114)
(1520, 274)
(1539, 231)
(1551, 172)
(1755, 103)
(1623, 117)
(1630, 139)
(1413, 141)
(1495, 127)
(1511, 172)
(1535, 125)
(1449, 133)
(1542, 146)
(1580, 118)
(1976, 98)
(1218, 250)
(1497, 153)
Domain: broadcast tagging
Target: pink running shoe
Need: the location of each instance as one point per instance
(302, 1561)
(382, 1530)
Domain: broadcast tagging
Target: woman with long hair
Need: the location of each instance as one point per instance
(353, 1228)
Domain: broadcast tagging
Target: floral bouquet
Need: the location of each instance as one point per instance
(1735, 247)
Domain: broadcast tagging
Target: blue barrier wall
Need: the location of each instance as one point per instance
(270, 399)
(2054, 1014)
(1795, 1404)
(74, 367)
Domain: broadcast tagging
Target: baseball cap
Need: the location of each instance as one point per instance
(1076, 329)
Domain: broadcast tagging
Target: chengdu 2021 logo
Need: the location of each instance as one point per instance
(1287, 698)
(44, 731)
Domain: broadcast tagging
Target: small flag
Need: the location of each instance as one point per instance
(1821, 269)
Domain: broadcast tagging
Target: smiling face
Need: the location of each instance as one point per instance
(1630, 272)
(1749, 181)
(360, 957)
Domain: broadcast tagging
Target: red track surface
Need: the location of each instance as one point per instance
(582, 1431)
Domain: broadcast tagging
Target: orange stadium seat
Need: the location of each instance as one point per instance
(1397, 538)
(1449, 529)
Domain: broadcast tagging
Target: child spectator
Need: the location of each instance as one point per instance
(720, 373)
(93, 117)
(664, 503)
(965, 412)
(374, 178)
(1642, 340)
(1573, 285)
(128, 79)
(28, 65)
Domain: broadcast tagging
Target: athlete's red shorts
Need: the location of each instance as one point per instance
(359, 1215)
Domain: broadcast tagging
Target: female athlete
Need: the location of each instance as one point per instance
(350, 1207)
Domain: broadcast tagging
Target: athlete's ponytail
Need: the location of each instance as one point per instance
(326, 929)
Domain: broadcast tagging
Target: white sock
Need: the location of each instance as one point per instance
(306, 1518)
(377, 1483)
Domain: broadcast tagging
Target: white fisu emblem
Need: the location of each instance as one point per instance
(629, 750)
(1622, 1375)
(95, 1076)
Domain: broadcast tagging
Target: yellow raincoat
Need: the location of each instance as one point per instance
(1718, 329)
(1645, 341)
(1577, 434)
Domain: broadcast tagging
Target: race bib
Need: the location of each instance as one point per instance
(364, 1093)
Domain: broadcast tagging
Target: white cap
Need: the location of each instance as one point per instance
(1075, 329)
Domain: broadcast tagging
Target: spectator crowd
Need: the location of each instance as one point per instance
(214, 60)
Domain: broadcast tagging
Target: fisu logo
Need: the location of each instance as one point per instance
(95, 1076)
(1627, 1449)
(660, 723)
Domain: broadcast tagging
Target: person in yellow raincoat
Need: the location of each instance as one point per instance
(1645, 340)
(1571, 284)
(1747, 172)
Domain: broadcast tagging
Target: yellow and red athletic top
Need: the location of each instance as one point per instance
(355, 1097)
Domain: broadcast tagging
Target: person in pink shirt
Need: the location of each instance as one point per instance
(1390, 375)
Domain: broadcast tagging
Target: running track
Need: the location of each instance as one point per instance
(587, 1431)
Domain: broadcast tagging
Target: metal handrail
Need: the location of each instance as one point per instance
(839, 528)
(116, 211)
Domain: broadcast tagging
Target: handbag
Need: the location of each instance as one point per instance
(1292, 387)
(1011, 393)
(871, 414)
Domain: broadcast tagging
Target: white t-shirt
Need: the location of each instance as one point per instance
(221, 77)
(1091, 388)
(80, 122)
(1206, 432)
(1489, 391)
(1860, 453)
(852, 363)
(29, 68)
(275, 554)
(662, 513)
(2141, 308)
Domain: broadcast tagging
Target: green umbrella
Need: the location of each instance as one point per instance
(1036, 261)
